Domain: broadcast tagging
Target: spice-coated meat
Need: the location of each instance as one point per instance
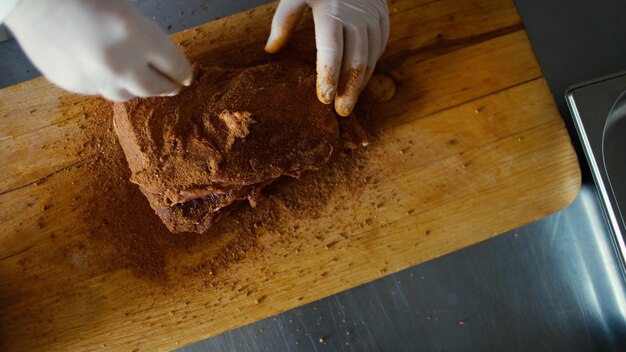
(220, 141)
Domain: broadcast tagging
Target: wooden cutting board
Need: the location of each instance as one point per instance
(474, 146)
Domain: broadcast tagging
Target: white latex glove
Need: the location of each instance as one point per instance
(350, 36)
(101, 47)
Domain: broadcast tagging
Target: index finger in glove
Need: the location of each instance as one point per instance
(353, 70)
(329, 42)
(146, 82)
(285, 19)
(168, 59)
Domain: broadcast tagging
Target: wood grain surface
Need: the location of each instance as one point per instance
(473, 146)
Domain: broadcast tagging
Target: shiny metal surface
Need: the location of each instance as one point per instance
(553, 285)
(599, 111)
(613, 147)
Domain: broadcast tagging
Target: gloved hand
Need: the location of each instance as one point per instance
(350, 36)
(101, 47)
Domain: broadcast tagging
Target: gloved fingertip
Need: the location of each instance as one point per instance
(273, 45)
(325, 94)
(344, 106)
(188, 76)
(285, 20)
(279, 36)
(171, 94)
(269, 48)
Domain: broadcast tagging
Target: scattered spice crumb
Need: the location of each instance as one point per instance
(259, 300)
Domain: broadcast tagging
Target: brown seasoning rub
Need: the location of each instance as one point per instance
(348, 81)
(223, 139)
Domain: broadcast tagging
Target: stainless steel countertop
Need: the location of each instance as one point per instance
(598, 108)
(553, 285)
